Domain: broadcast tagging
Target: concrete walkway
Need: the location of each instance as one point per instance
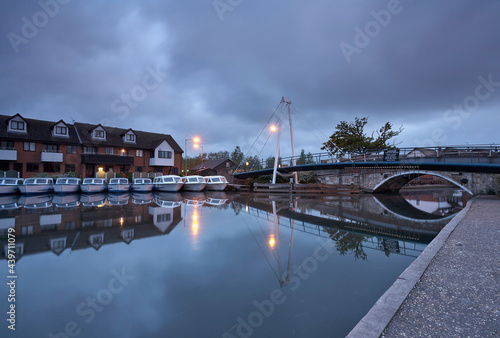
(452, 289)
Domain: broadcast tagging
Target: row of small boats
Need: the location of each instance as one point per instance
(167, 183)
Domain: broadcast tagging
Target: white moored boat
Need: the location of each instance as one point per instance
(67, 185)
(118, 185)
(10, 185)
(216, 183)
(142, 184)
(37, 185)
(193, 183)
(91, 185)
(168, 183)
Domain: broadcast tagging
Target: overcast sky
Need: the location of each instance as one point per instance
(218, 69)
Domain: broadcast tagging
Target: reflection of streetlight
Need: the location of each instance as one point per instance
(194, 225)
(195, 140)
(273, 128)
(272, 242)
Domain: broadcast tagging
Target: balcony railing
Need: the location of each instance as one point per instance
(8, 154)
(48, 156)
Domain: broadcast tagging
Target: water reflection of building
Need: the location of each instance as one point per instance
(42, 225)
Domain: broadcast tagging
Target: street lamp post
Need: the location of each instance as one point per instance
(195, 140)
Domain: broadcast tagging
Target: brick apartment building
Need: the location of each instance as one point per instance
(31, 146)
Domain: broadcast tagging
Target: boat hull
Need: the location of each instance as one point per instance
(193, 186)
(8, 189)
(118, 187)
(66, 188)
(216, 186)
(142, 187)
(92, 188)
(35, 189)
(169, 187)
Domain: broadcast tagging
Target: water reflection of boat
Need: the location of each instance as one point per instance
(36, 201)
(92, 200)
(142, 197)
(9, 202)
(168, 200)
(118, 199)
(66, 201)
(195, 199)
(216, 197)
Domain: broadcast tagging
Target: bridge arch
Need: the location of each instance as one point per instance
(395, 182)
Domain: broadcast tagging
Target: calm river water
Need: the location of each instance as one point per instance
(208, 264)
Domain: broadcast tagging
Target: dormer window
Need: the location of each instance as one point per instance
(61, 130)
(99, 133)
(17, 124)
(129, 137)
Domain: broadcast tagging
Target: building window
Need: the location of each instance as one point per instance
(17, 125)
(138, 169)
(175, 171)
(8, 145)
(27, 230)
(159, 169)
(99, 133)
(69, 167)
(164, 154)
(51, 148)
(163, 218)
(61, 130)
(130, 138)
(110, 151)
(138, 153)
(152, 154)
(69, 225)
(52, 167)
(32, 167)
(71, 149)
(89, 150)
(107, 223)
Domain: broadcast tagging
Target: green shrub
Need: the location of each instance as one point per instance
(307, 177)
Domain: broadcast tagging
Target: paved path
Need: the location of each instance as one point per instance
(452, 289)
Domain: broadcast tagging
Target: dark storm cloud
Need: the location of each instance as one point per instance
(224, 78)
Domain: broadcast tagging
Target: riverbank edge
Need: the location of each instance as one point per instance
(380, 315)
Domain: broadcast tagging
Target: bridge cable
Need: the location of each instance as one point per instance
(270, 118)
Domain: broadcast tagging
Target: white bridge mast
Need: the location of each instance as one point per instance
(285, 102)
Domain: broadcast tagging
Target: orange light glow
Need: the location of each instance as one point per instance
(196, 139)
(121, 221)
(272, 242)
(196, 146)
(273, 128)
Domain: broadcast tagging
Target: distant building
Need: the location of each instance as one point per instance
(31, 146)
(222, 167)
